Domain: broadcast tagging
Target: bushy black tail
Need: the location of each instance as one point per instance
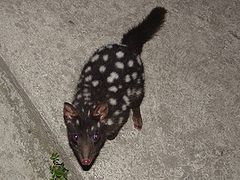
(139, 35)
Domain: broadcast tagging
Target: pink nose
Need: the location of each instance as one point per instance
(86, 162)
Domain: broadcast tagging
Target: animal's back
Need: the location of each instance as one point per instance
(115, 75)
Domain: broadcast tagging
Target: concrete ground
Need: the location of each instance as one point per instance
(192, 107)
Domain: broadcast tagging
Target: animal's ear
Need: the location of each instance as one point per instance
(69, 112)
(101, 111)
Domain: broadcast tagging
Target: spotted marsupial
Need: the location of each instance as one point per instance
(110, 86)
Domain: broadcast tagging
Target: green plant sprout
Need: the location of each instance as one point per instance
(57, 169)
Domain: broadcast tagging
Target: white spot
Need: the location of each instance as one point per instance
(92, 128)
(116, 113)
(79, 96)
(130, 63)
(94, 58)
(133, 91)
(134, 75)
(102, 69)
(98, 124)
(75, 103)
(95, 83)
(139, 92)
(139, 60)
(113, 89)
(119, 65)
(87, 99)
(139, 81)
(85, 90)
(126, 99)
(143, 76)
(80, 80)
(112, 77)
(120, 86)
(100, 49)
(82, 110)
(127, 78)
(119, 54)
(90, 103)
(77, 122)
(105, 57)
(129, 92)
(85, 85)
(88, 69)
(120, 120)
(109, 122)
(112, 101)
(88, 78)
(124, 107)
(109, 46)
(89, 113)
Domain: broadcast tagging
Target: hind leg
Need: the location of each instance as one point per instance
(137, 118)
(136, 100)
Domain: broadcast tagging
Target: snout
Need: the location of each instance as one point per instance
(86, 162)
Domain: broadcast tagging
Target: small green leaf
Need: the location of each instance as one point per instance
(57, 169)
(62, 178)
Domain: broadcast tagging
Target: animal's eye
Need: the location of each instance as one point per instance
(95, 137)
(75, 137)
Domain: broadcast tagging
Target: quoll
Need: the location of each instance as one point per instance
(110, 85)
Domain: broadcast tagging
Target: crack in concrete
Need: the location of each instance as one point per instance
(47, 140)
